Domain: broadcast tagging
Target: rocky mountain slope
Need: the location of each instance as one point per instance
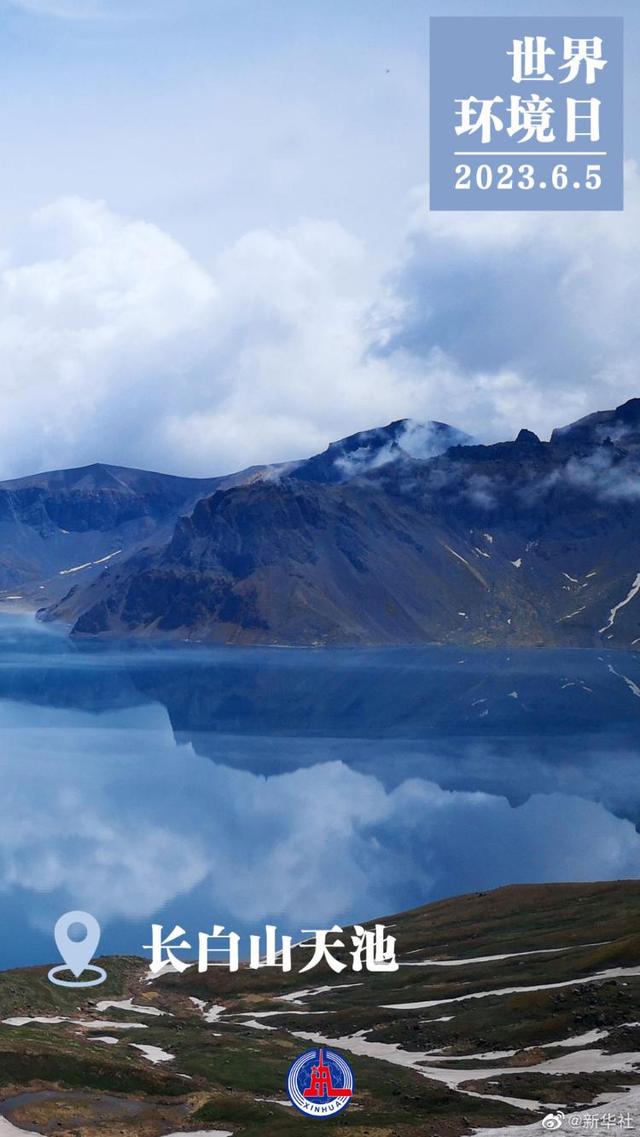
(389, 539)
(506, 1006)
(60, 525)
(65, 526)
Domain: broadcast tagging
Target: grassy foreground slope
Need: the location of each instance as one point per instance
(507, 1003)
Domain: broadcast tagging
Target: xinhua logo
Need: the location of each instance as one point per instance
(320, 1083)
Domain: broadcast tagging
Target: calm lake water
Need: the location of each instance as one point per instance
(301, 788)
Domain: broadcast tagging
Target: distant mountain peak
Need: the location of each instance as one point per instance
(368, 450)
(528, 436)
(403, 533)
(595, 428)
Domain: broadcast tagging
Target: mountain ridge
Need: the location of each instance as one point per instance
(403, 534)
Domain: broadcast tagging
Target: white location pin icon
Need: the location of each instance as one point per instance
(77, 954)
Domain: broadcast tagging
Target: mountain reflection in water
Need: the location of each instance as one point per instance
(302, 788)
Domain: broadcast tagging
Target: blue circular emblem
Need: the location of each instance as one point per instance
(320, 1083)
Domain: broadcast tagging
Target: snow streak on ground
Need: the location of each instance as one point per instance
(611, 973)
(128, 1005)
(298, 997)
(86, 1024)
(211, 1014)
(632, 593)
(494, 958)
(153, 1053)
(576, 1062)
(623, 1104)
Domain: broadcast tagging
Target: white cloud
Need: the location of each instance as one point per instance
(288, 350)
(518, 319)
(95, 827)
(94, 334)
(116, 345)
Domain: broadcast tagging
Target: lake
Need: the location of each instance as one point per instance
(300, 787)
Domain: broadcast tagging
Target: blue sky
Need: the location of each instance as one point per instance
(216, 247)
(211, 117)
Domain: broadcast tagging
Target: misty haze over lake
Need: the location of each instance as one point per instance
(300, 787)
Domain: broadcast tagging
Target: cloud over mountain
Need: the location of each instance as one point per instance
(116, 344)
(521, 316)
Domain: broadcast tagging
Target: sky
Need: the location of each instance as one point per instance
(216, 247)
